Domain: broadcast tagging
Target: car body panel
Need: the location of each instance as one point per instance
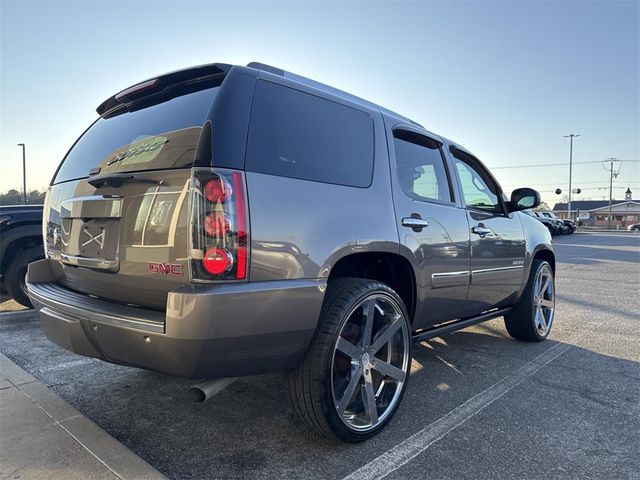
(439, 253)
(149, 227)
(497, 262)
(301, 228)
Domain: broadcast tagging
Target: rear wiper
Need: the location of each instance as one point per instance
(117, 179)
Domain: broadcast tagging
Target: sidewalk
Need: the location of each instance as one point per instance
(43, 437)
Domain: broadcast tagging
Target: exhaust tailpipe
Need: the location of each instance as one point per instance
(205, 390)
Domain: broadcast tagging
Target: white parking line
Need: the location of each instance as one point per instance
(413, 446)
(16, 312)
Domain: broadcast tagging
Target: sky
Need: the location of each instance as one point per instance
(506, 79)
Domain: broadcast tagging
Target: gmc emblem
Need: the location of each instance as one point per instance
(165, 268)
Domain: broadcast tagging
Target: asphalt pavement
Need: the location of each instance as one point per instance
(478, 405)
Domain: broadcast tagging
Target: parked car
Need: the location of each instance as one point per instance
(552, 225)
(571, 225)
(564, 227)
(634, 228)
(223, 221)
(20, 244)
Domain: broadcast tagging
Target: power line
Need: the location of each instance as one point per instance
(586, 188)
(561, 183)
(556, 164)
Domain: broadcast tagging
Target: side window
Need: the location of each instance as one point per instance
(297, 135)
(421, 170)
(478, 189)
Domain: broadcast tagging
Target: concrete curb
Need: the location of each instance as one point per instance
(117, 458)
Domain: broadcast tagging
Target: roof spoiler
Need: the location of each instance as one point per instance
(162, 83)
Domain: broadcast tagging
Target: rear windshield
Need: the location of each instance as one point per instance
(158, 137)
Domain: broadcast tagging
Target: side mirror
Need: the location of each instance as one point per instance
(523, 198)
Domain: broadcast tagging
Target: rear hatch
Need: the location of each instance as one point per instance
(116, 215)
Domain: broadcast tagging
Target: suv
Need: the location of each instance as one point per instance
(224, 220)
(554, 226)
(20, 244)
(565, 227)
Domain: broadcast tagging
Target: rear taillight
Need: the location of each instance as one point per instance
(219, 227)
(217, 190)
(216, 224)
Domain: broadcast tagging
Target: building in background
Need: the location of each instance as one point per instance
(596, 212)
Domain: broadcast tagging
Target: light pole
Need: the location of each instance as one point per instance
(570, 137)
(24, 175)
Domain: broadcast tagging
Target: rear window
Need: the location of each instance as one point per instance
(157, 137)
(297, 135)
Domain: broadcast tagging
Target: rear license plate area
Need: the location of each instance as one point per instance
(90, 239)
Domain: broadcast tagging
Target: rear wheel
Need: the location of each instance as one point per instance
(355, 372)
(15, 277)
(532, 317)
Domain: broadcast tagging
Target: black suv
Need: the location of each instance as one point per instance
(226, 220)
(20, 244)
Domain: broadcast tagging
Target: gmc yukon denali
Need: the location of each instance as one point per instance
(223, 221)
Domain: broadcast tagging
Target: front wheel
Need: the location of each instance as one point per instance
(532, 317)
(355, 372)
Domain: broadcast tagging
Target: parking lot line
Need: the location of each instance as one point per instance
(14, 313)
(410, 448)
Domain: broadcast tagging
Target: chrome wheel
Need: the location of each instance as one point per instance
(544, 300)
(370, 362)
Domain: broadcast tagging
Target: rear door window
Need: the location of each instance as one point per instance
(161, 136)
(298, 135)
(421, 169)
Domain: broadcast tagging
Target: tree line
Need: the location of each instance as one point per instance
(14, 197)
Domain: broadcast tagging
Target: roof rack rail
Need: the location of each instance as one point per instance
(266, 68)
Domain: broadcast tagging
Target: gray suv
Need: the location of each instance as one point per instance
(223, 221)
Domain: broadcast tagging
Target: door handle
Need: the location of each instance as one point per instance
(482, 231)
(416, 223)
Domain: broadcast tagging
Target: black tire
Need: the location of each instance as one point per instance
(310, 388)
(15, 277)
(521, 321)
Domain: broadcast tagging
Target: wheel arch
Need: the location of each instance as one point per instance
(390, 268)
(546, 254)
(16, 242)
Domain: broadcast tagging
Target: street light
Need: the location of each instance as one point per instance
(570, 136)
(24, 175)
